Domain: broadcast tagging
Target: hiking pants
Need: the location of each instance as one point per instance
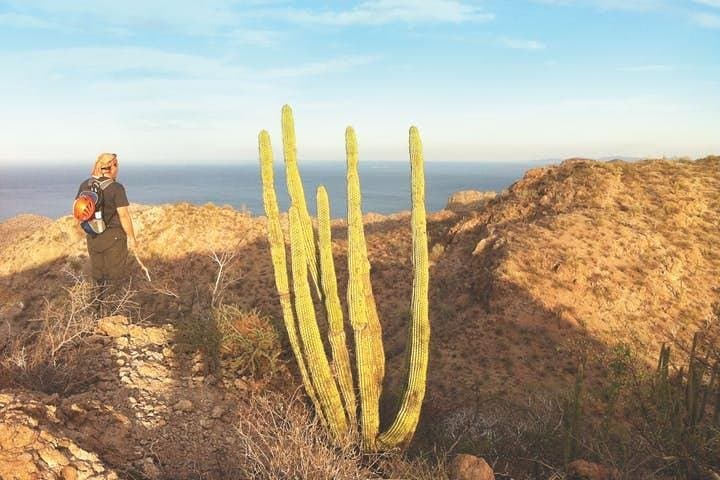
(109, 259)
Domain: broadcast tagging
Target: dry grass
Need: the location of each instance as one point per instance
(280, 437)
(48, 354)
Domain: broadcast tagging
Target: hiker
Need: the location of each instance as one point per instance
(110, 229)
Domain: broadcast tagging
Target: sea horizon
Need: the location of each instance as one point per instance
(49, 190)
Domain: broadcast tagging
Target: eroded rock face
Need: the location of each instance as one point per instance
(33, 447)
(468, 200)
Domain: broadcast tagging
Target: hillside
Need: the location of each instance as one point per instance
(566, 265)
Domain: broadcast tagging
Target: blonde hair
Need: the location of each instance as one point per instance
(103, 160)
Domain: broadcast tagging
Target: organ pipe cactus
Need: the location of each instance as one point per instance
(330, 386)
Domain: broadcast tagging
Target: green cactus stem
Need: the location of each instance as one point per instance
(369, 353)
(403, 428)
(297, 193)
(313, 348)
(277, 253)
(336, 333)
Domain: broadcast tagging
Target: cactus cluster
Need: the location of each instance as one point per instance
(329, 384)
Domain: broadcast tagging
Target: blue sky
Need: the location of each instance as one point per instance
(188, 81)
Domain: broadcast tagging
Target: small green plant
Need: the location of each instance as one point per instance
(681, 409)
(248, 342)
(572, 420)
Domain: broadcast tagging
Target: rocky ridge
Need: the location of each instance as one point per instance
(565, 264)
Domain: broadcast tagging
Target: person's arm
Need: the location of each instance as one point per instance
(127, 225)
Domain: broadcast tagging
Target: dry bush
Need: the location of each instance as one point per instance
(49, 354)
(396, 465)
(526, 436)
(282, 438)
(662, 422)
(249, 343)
(241, 343)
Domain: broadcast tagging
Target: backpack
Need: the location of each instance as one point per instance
(88, 206)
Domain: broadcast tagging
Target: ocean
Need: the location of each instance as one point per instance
(49, 191)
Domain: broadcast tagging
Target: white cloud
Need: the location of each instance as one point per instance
(646, 68)
(259, 38)
(18, 20)
(521, 44)
(709, 3)
(136, 69)
(627, 5)
(210, 16)
(319, 68)
(706, 20)
(378, 12)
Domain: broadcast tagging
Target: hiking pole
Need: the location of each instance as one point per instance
(142, 265)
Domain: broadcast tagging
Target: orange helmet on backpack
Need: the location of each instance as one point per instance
(84, 206)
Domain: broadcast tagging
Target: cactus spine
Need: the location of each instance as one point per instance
(307, 346)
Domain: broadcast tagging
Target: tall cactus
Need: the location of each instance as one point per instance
(296, 191)
(336, 328)
(369, 353)
(277, 253)
(318, 376)
(402, 430)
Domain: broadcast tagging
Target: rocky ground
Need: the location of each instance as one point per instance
(567, 264)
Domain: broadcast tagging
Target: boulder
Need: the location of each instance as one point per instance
(470, 467)
(584, 470)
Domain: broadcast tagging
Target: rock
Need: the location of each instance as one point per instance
(584, 470)
(468, 200)
(115, 326)
(69, 473)
(484, 244)
(143, 336)
(150, 469)
(184, 406)
(217, 412)
(470, 467)
(30, 449)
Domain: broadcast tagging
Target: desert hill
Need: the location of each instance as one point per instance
(566, 265)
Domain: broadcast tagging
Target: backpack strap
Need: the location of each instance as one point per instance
(105, 183)
(97, 185)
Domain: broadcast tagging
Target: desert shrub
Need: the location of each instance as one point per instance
(524, 436)
(249, 342)
(661, 422)
(678, 409)
(239, 342)
(49, 354)
(282, 438)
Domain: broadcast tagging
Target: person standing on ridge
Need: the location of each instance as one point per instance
(108, 250)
